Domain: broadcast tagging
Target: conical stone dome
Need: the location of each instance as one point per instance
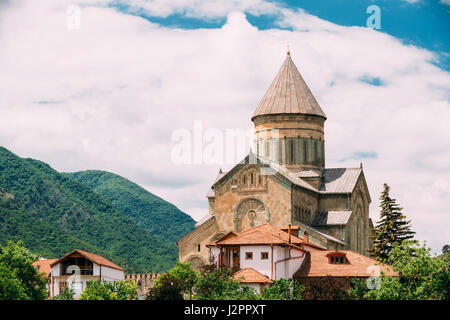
(288, 94)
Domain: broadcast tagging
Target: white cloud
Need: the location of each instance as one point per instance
(209, 9)
(447, 2)
(108, 96)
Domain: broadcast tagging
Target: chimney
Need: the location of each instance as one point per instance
(289, 232)
(306, 237)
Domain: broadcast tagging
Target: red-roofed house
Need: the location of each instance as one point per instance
(265, 253)
(76, 269)
(341, 265)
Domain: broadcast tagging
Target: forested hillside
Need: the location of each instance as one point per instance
(161, 218)
(54, 214)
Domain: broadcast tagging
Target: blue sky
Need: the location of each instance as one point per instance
(422, 23)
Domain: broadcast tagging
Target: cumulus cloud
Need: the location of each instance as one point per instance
(109, 96)
(208, 9)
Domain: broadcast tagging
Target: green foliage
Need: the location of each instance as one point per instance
(119, 290)
(37, 200)
(66, 294)
(167, 287)
(358, 288)
(186, 276)
(327, 288)
(10, 286)
(283, 289)
(393, 228)
(421, 277)
(446, 249)
(218, 284)
(160, 218)
(19, 279)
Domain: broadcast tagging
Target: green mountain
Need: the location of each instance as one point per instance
(160, 218)
(54, 214)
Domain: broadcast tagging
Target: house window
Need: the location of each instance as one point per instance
(264, 255)
(337, 259)
(198, 247)
(249, 256)
(251, 178)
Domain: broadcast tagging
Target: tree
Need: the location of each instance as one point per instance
(283, 289)
(420, 276)
(185, 275)
(218, 284)
(19, 279)
(393, 228)
(10, 286)
(445, 249)
(119, 290)
(166, 287)
(66, 294)
(328, 288)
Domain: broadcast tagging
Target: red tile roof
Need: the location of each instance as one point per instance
(95, 258)
(263, 234)
(44, 265)
(249, 275)
(317, 264)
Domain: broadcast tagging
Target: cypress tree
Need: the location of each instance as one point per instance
(392, 227)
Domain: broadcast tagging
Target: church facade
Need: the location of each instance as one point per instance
(286, 182)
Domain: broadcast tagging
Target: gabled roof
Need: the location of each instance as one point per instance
(249, 275)
(331, 218)
(44, 265)
(211, 193)
(205, 218)
(316, 264)
(94, 258)
(254, 237)
(273, 231)
(264, 234)
(269, 167)
(310, 173)
(339, 180)
(314, 230)
(334, 181)
(288, 94)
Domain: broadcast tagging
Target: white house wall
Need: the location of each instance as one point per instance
(286, 269)
(56, 270)
(262, 266)
(110, 274)
(80, 281)
(215, 254)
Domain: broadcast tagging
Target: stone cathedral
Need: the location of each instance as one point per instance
(286, 181)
